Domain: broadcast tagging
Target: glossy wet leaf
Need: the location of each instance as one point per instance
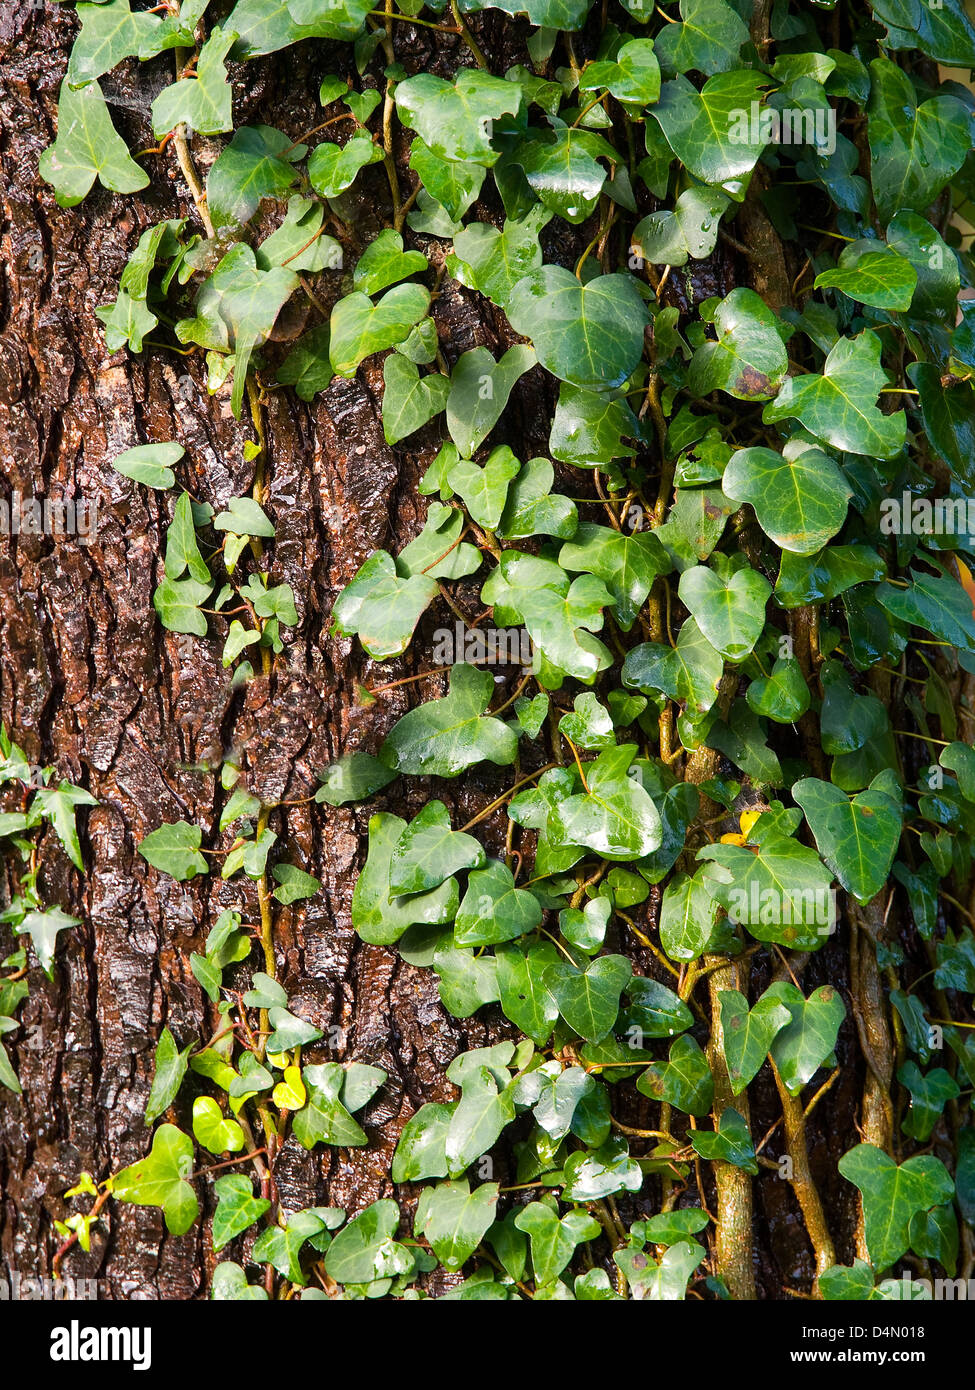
(589, 999)
(914, 148)
(709, 130)
(747, 1034)
(258, 163)
(381, 607)
(87, 148)
(160, 1180)
(493, 909)
(479, 391)
(170, 1068)
(627, 564)
(728, 608)
(689, 671)
(748, 359)
(443, 737)
(429, 851)
(359, 328)
(839, 406)
(376, 916)
(455, 1219)
(800, 501)
(333, 168)
(589, 335)
(804, 1045)
(882, 279)
(730, 1143)
(688, 232)
(857, 837)
(892, 1195)
(454, 119)
(203, 100)
(175, 850)
(237, 1208)
(684, 1080)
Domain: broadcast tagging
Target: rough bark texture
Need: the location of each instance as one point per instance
(92, 684)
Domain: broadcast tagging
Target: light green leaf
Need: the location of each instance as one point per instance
(87, 147)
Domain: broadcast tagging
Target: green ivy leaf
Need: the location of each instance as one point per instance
(729, 1143)
(857, 838)
(589, 999)
(378, 918)
(237, 1208)
(333, 168)
(160, 1180)
(804, 1045)
(800, 498)
(727, 605)
(454, 1219)
(479, 391)
(708, 40)
(589, 335)
(359, 328)
(892, 1195)
(203, 101)
(258, 163)
(175, 850)
(689, 672)
(454, 119)
(171, 1064)
(443, 737)
(685, 1080)
(493, 909)
(381, 607)
(914, 149)
(747, 1034)
(87, 148)
(710, 131)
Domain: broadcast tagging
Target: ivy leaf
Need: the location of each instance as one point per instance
(549, 14)
(171, 1064)
(914, 149)
(298, 243)
(465, 981)
(730, 1143)
(294, 885)
(481, 1114)
(43, 928)
(429, 851)
(803, 1045)
(150, 464)
(264, 26)
(892, 1195)
(444, 737)
(493, 909)
(214, 1130)
(531, 509)
(710, 131)
(87, 148)
(359, 328)
(558, 614)
(381, 607)
(454, 119)
(237, 1207)
(244, 517)
(255, 165)
(484, 489)
(589, 1000)
(59, 805)
(749, 360)
(454, 1219)
(689, 672)
(452, 184)
(685, 1080)
(589, 335)
(281, 1246)
(778, 889)
(857, 838)
(409, 400)
(479, 391)
(438, 552)
(689, 232)
(384, 263)
(525, 999)
(839, 406)
(688, 915)
(332, 168)
(633, 76)
(655, 1011)
(590, 427)
(376, 916)
(930, 1094)
(627, 564)
(237, 307)
(783, 696)
(421, 1150)
(554, 1239)
(561, 169)
(800, 498)
(938, 604)
(160, 1180)
(747, 1034)
(615, 816)
(109, 33)
(882, 279)
(202, 102)
(307, 367)
(289, 1031)
(708, 40)
(175, 850)
(353, 777)
(324, 1119)
(728, 607)
(493, 261)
